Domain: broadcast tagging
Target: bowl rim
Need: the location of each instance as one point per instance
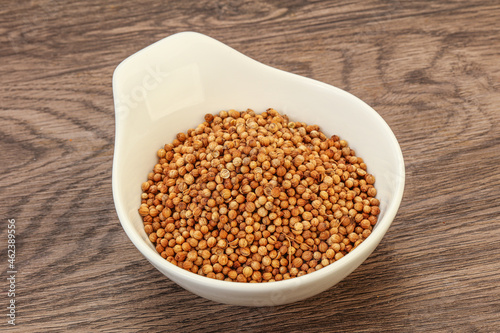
(153, 256)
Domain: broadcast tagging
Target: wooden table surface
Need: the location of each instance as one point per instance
(430, 68)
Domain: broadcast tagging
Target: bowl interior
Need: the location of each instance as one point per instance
(169, 86)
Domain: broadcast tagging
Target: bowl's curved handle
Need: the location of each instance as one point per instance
(172, 69)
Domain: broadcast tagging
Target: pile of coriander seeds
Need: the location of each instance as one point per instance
(252, 197)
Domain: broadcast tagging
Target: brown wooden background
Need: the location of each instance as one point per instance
(430, 68)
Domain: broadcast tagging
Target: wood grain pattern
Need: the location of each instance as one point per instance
(431, 69)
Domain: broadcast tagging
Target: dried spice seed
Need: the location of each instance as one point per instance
(249, 197)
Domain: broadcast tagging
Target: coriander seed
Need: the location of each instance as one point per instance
(249, 197)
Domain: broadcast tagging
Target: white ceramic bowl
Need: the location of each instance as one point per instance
(167, 87)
